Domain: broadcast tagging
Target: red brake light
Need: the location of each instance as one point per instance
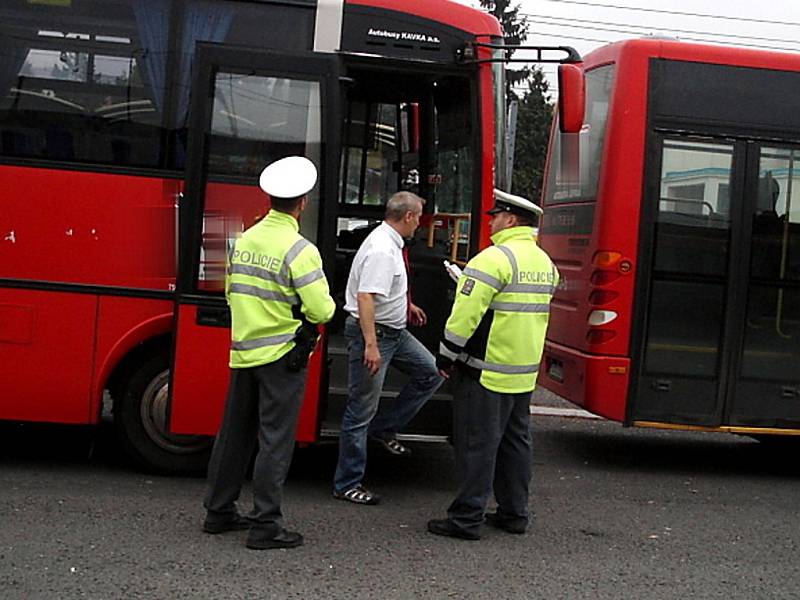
(600, 336)
(600, 297)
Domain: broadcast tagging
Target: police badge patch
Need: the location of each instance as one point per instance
(467, 288)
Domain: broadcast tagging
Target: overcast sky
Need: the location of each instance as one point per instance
(588, 24)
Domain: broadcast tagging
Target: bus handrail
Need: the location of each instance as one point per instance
(469, 53)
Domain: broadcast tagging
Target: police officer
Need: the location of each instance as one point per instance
(275, 282)
(494, 338)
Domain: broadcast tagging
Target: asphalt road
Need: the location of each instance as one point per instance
(620, 514)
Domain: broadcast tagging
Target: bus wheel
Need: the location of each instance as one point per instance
(141, 421)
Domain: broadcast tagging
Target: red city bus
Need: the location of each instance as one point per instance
(674, 218)
(132, 133)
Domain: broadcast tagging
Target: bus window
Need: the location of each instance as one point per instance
(773, 306)
(692, 237)
(576, 158)
(86, 89)
(454, 159)
(371, 155)
(693, 222)
(255, 120)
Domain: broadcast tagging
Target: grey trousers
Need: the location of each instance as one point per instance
(263, 405)
(494, 453)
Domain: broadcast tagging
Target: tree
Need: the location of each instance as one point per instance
(534, 112)
(515, 30)
(534, 117)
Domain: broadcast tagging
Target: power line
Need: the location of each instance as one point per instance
(689, 39)
(667, 29)
(574, 37)
(671, 12)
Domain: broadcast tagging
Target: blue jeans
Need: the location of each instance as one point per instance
(361, 415)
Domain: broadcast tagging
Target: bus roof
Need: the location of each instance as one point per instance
(693, 52)
(460, 16)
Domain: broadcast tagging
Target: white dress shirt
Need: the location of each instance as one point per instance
(378, 268)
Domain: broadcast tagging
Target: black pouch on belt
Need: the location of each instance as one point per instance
(305, 340)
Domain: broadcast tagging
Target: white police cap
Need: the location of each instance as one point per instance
(505, 202)
(288, 177)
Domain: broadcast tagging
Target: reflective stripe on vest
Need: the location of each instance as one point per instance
(498, 368)
(521, 288)
(482, 277)
(520, 307)
(455, 338)
(258, 272)
(252, 290)
(272, 340)
(308, 278)
(487, 366)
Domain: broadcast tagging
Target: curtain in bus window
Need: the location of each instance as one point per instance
(152, 19)
(202, 22)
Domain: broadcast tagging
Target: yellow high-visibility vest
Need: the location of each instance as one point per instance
(498, 321)
(271, 269)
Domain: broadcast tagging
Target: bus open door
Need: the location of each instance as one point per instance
(250, 108)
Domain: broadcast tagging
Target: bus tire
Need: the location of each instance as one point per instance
(140, 412)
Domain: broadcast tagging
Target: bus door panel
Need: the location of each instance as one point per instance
(682, 364)
(722, 334)
(249, 109)
(766, 387)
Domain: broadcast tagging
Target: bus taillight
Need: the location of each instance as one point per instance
(601, 297)
(601, 317)
(606, 259)
(600, 336)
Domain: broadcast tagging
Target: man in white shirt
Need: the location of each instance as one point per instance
(378, 305)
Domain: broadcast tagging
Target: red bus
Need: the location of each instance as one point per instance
(674, 218)
(132, 133)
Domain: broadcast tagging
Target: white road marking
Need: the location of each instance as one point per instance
(552, 411)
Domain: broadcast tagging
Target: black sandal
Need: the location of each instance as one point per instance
(358, 495)
(392, 446)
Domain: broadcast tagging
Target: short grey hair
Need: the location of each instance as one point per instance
(400, 203)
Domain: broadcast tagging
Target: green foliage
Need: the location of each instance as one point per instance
(534, 117)
(534, 111)
(515, 30)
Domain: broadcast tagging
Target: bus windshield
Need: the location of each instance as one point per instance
(576, 158)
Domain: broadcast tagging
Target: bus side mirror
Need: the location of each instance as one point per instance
(571, 98)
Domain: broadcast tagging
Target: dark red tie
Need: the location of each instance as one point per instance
(408, 287)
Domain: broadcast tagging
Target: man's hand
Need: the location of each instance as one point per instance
(444, 365)
(416, 316)
(372, 358)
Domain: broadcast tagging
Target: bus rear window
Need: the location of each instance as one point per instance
(575, 158)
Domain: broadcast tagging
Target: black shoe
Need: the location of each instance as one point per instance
(235, 522)
(447, 528)
(284, 539)
(508, 525)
